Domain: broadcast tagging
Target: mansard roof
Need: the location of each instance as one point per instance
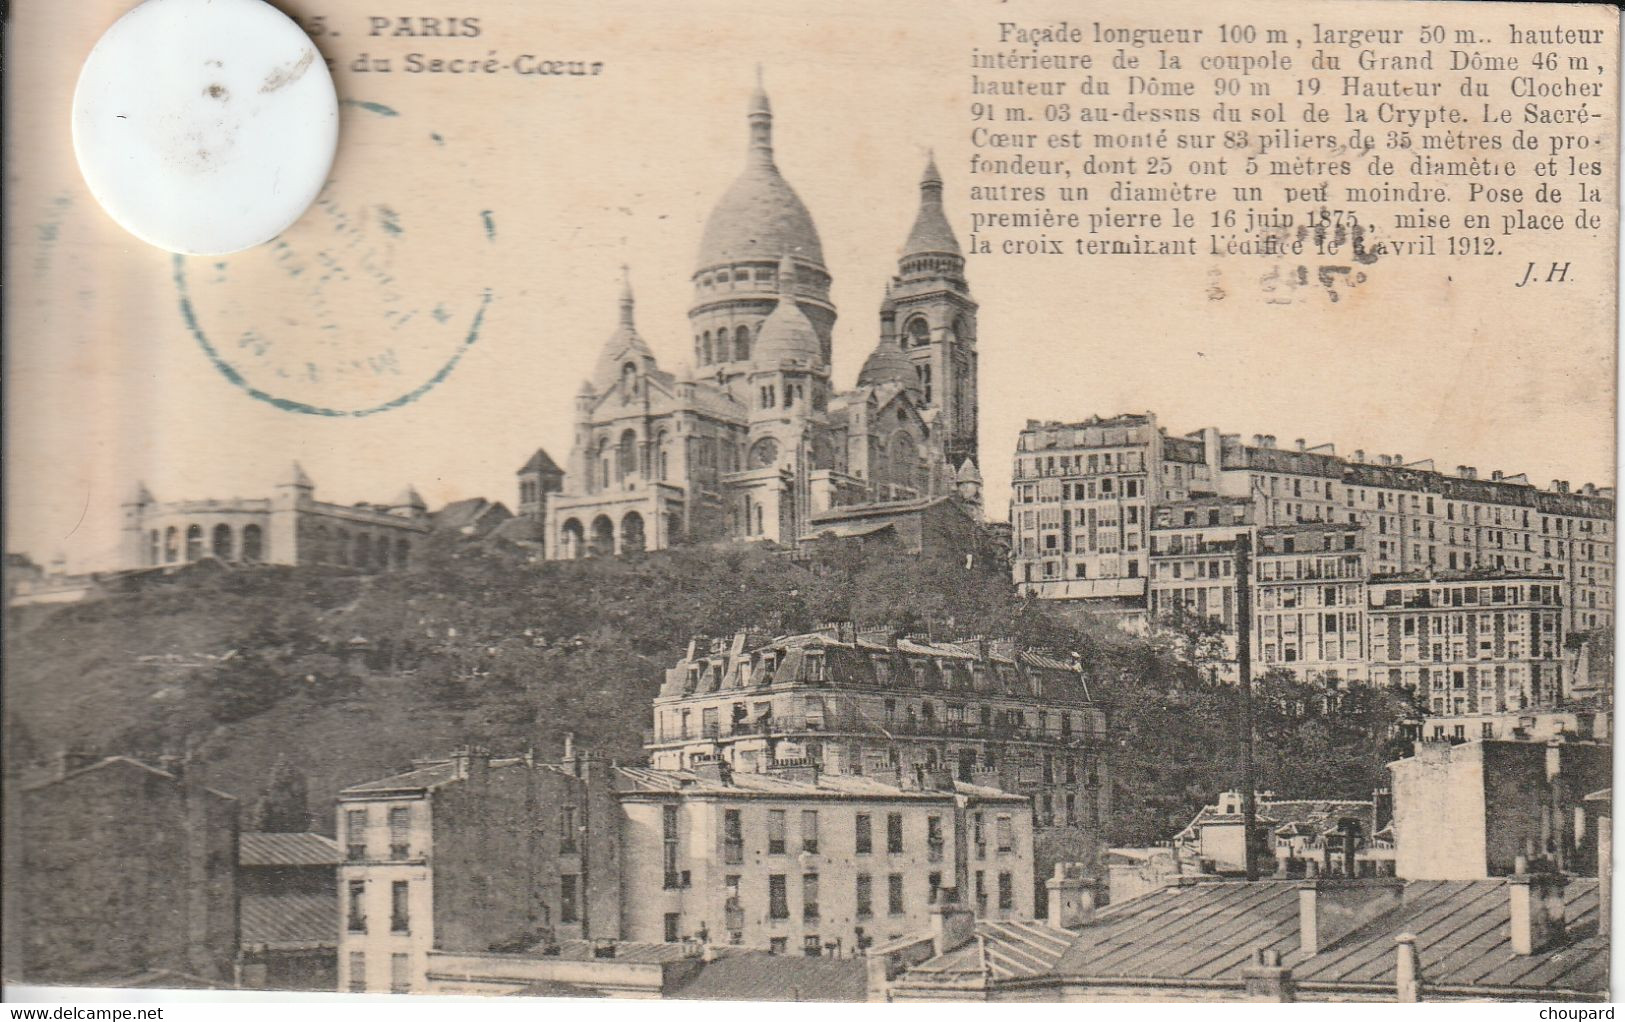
(962, 669)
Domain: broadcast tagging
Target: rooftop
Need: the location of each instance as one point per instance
(289, 922)
(262, 848)
(1203, 934)
(758, 976)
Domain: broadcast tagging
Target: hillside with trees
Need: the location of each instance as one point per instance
(342, 677)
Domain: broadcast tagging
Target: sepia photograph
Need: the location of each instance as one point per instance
(781, 503)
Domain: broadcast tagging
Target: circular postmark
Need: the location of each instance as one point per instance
(363, 306)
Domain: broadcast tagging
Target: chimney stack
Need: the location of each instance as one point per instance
(1302, 444)
(1537, 911)
(1359, 457)
(470, 762)
(1267, 980)
(952, 925)
(1331, 908)
(1407, 970)
(1071, 896)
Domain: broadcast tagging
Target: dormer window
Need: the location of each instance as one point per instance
(629, 379)
(816, 667)
(882, 670)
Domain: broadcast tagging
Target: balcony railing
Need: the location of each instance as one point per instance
(911, 728)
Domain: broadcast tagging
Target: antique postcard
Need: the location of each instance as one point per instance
(996, 500)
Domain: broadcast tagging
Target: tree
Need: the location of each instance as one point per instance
(283, 806)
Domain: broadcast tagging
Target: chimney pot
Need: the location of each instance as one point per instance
(1302, 444)
(1537, 911)
(1407, 970)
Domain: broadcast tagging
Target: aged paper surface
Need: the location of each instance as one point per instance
(1022, 237)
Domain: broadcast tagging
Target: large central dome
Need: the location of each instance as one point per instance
(760, 217)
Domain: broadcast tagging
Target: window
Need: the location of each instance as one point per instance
(668, 823)
(865, 889)
(809, 831)
(978, 835)
(1007, 891)
(358, 906)
(865, 839)
(400, 832)
(672, 926)
(810, 946)
(894, 894)
(569, 911)
(567, 830)
(933, 838)
(1007, 835)
(809, 896)
(358, 972)
(775, 832)
(934, 888)
(400, 920)
(778, 945)
(894, 833)
(981, 892)
(733, 838)
(778, 902)
(400, 974)
(355, 835)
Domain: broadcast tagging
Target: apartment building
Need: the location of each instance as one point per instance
(799, 862)
(1137, 522)
(891, 708)
(1070, 478)
(471, 853)
(1475, 642)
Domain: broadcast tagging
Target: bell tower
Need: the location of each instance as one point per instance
(936, 322)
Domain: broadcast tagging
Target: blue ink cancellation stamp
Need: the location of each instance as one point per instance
(360, 308)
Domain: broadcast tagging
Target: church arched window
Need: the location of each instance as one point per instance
(917, 334)
(742, 343)
(171, 545)
(194, 542)
(705, 349)
(222, 541)
(663, 454)
(629, 380)
(789, 395)
(154, 548)
(626, 455)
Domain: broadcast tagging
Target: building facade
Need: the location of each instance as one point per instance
(471, 854)
(116, 869)
(797, 862)
(1143, 525)
(902, 710)
(1069, 478)
(1474, 642)
(1472, 809)
(287, 906)
(291, 527)
(753, 441)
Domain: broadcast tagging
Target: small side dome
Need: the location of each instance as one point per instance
(409, 500)
(969, 473)
(788, 340)
(139, 495)
(887, 364)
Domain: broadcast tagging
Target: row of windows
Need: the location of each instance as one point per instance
(400, 973)
(223, 542)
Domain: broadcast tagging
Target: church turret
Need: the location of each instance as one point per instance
(135, 549)
(969, 482)
(936, 318)
(625, 358)
(538, 477)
